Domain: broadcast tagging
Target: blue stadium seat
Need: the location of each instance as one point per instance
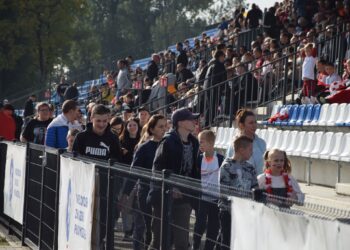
(295, 116)
(303, 112)
(309, 112)
(314, 115)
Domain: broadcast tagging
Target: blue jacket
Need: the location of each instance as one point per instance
(57, 132)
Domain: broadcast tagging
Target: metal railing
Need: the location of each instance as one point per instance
(155, 219)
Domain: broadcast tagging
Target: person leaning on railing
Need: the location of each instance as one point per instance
(177, 152)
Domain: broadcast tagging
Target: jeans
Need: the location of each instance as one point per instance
(225, 226)
(207, 219)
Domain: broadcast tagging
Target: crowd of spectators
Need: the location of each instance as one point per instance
(288, 29)
(254, 72)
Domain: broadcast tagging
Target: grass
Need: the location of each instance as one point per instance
(3, 241)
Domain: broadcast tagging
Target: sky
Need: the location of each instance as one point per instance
(263, 3)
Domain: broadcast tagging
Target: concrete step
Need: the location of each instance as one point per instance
(343, 188)
(325, 196)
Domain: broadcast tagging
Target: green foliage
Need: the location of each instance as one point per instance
(85, 36)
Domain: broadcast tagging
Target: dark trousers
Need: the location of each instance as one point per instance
(142, 220)
(207, 219)
(225, 227)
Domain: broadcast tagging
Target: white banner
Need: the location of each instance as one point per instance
(14, 185)
(256, 226)
(77, 183)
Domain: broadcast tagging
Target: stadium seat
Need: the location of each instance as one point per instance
(276, 140)
(317, 145)
(343, 148)
(333, 114)
(308, 145)
(324, 115)
(229, 138)
(257, 132)
(314, 115)
(344, 114)
(219, 136)
(338, 144)
(300, 144)
(293, 116)
(299, 116)
(286, 138)
(223, 138)
(328, 144)
(294, 140)
(269, 137)
(276, 108)
(263, 134)
(345, 155)
(290, 109)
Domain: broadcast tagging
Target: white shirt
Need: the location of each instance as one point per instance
(210, 176)
(309, 67)
(278, 182)
(332, 78)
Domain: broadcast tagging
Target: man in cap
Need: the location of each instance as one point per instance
(177, 152)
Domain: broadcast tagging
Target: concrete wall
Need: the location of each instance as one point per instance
(323, 172)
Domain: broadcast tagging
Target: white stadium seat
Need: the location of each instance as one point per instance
(328, 145)
(300, 144)
(342, 114)
(345, 155)
(339, 140)
(317, 145)
(333, 114)
(324, 116)
(219, 135)
(309, 140)
(269, 137)
(276, 140)
(306, 144)
(229, 138)
(221, 143)
(295, 136)
(286, 139)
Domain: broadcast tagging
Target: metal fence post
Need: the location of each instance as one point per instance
(24, 225)
(57, 198)
(109, 243)
(285, 80)
(165, 211)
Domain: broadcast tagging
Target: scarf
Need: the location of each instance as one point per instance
(268, 181)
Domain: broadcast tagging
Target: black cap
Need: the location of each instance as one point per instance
(183, 114)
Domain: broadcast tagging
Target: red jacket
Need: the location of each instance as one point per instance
(7, 127)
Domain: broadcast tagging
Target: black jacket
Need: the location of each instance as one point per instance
(182, 58)
(169, 155)
(71, 93)
(216, 74)
(184, 75)
(103, 147)
(28, 108)
(152, 70)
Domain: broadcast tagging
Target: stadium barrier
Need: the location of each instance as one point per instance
(60, 201)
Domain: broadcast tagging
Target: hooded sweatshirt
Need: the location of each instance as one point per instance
(103, 147)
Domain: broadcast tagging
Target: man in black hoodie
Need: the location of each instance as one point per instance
(177, 151)
(215, 75)
(97, 141)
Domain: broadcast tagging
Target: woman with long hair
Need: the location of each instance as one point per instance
(128, 141)
(143, 158)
